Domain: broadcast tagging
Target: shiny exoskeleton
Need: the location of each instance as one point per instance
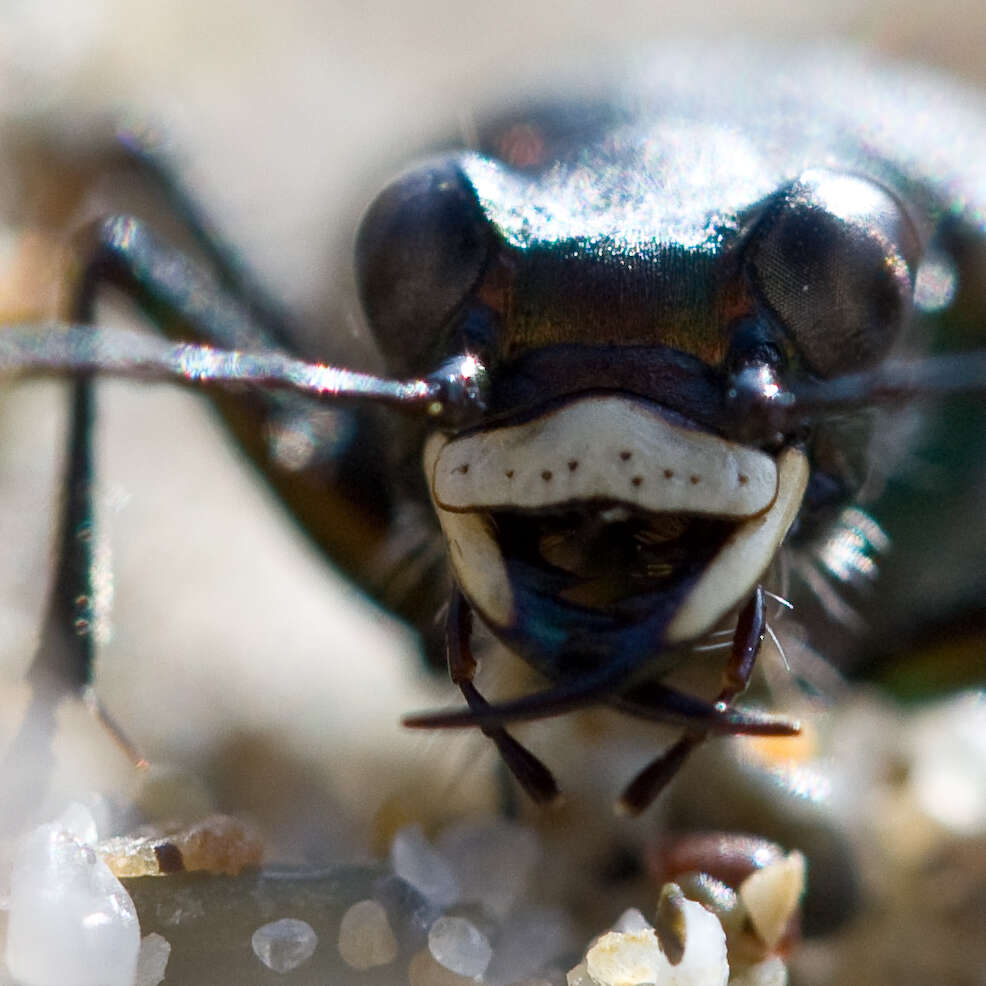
(644, 339)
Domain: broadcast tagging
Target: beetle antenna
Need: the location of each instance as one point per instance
(898, 382)
(456, 389)
(776, 409)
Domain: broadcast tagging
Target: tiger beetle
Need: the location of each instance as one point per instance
(632, 351)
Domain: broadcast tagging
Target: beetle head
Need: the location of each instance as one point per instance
(630, 482)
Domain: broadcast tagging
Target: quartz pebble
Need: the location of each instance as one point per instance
(365, 937)
(61, 891)
(579, 976)
(631, 958)
(79, 822)
(492, 860)
(423, 970)
(771, 896)
(284, 945)
(152, 961)
(218, 844)
(415, 912)
(770, 972)
(948, 776)
(625, 958)
(631, 920)
(416, 861)
(460, 946)
(527, 942)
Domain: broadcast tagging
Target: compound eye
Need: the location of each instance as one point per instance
(835, 260)
(420, 249)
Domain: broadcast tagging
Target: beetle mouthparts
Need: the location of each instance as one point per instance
(604, 447)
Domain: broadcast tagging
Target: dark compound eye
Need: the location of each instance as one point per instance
(834, 259)
(420, 249)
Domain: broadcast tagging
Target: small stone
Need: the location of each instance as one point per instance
(632, 920)
(625, 959)
(948, 775)
(365, 937)
(79, 822)
(460, 946)
(771, 896)
(284, 945)
(62, 892)
(629, 959)
(423, 970)
(770, 972)
(219, 844)
(152, 960)
(413, 911)
(579, 976)
(492, 861)
(526, 943)
(704, 963)
(417, 862)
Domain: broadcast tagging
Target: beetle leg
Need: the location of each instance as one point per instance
(649, 783)
(63, 662)
(66, 650)
(178, 295)
(142, 154)
(532, 775)
(342, 494)
(65, 659)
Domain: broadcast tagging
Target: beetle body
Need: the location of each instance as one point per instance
(622, 269)
(646, 283)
